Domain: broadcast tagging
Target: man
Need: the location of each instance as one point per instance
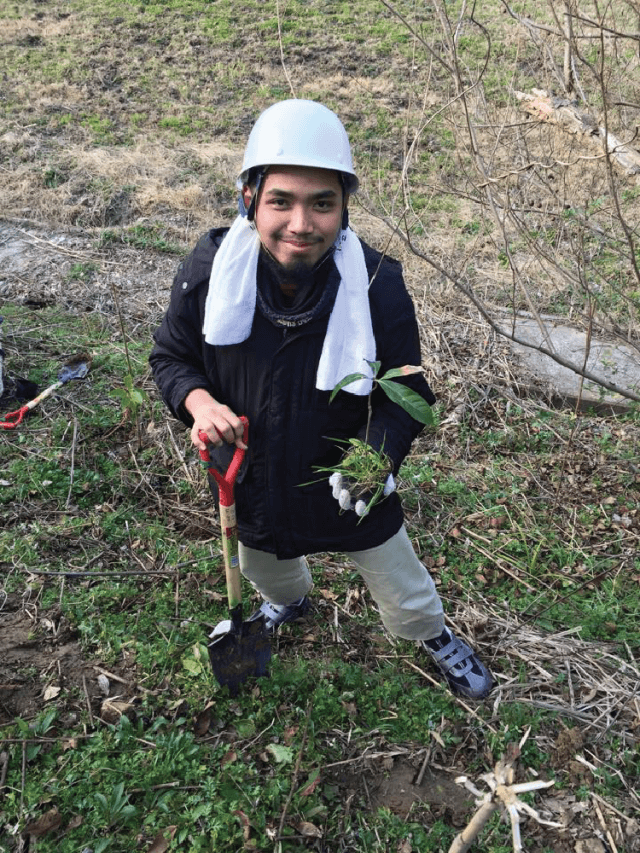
(265, 319)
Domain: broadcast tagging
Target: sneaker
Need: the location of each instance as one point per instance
(275, 615)
(465, 673)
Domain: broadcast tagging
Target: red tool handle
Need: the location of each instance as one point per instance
(12, 420)
(227, 481)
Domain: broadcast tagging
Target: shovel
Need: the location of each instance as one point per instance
(75, 369)
(237, 650)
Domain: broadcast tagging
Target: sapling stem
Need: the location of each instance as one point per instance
(367, 467)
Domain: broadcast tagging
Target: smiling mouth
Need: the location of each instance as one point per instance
(302, 244)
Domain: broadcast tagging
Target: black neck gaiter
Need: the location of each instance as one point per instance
(314, 296)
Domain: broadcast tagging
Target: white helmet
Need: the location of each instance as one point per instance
(299, 133)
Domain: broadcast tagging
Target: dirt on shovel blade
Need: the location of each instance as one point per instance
(240, 654)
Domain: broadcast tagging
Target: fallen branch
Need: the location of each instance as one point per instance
(565, 114)
(503, 794)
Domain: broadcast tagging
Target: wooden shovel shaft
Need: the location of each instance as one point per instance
(229, 529)
(43, 396)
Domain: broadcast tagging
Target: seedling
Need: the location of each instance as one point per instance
(362, 465)
(367, 468)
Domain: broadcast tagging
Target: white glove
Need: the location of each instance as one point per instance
(342, 486)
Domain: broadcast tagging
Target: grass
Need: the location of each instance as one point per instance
(187, 759)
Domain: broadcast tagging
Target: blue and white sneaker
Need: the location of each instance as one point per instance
(275, 615)
(464, 671)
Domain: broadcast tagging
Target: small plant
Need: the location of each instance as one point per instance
(363, 466)
(82, 271)
(410, 400)
(132, 398)
(367, 469)
(116, 809)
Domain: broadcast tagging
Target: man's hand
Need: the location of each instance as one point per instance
(343, 487)
(215, 419)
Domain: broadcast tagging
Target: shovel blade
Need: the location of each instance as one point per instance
(74, 369)
(239, 654)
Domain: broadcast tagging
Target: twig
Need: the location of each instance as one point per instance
(180, 456)
(45, 739)
(164, 786)
(423, 769)
(23, 776)
(605, 828)
(296, 770)
(112, 676)
(124, 681)
(86, 695)
(566, 597)
(467, 708)
(499, 562)
(282, 62)
(73, 457)
(609, 806)
(114, 573)
(368, 755)
(4, 764)
(457, 281)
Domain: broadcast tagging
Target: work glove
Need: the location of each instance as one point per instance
(351, 497)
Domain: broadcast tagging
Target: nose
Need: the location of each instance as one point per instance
(300, 221)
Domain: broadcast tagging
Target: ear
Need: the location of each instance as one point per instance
(345, 213)
(246, 195)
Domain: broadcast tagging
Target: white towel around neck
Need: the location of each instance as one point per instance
(231, 304)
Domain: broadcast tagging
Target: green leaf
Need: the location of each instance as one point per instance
(410, 401)
(407, 370)
(374, 365)
(282, 754)
(192, 666)
(352, 377)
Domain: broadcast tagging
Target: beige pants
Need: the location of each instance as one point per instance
(400, 585)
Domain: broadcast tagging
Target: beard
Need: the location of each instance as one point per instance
(293, 289)
(295, 277)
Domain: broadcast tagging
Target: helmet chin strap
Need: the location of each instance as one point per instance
(345, 198)
(250, 212)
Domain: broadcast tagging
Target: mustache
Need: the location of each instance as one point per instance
(294, 238)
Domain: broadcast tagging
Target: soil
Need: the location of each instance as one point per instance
(39, 648)
(40, 657)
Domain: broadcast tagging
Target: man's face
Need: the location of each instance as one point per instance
(298, 214)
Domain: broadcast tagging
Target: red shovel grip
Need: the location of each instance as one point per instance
(12, 420)
(227, 481)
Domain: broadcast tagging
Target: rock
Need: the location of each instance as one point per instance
(609, 360)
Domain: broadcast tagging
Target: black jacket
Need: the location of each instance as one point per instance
(283, 505)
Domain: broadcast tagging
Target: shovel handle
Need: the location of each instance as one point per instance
(228, 523)
(12, 419)
(226, 481)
